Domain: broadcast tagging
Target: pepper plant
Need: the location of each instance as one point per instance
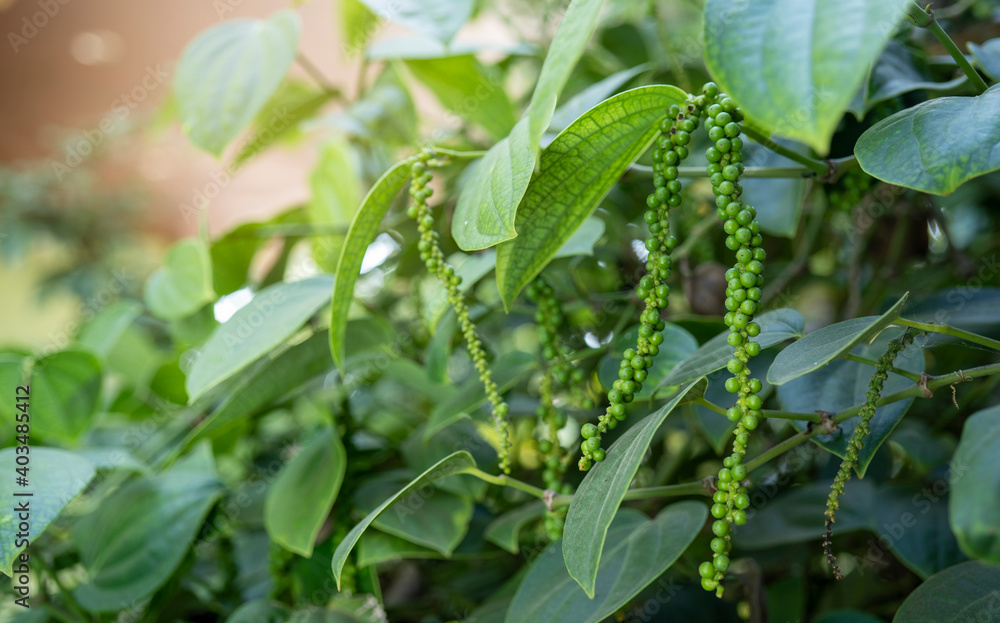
(592, 348)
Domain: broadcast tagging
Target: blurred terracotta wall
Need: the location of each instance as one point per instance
(98, 65)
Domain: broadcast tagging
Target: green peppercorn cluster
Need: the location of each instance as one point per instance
(671, 148)
(849, 190)
(559, 374)
(432, 256)
(875, 385)
(743, 292)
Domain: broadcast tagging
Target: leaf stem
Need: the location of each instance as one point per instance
(948, 330)
(823, 169)
(504, 480)
(792, 415)
(925, 19)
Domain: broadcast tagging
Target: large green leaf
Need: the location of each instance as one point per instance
(358, 24)
(638, 551)
(65, 387)
(842, 384)
(488, 204)
(228, 73)
(468, 89)
(778, 201)
(987, 56)
(913, 523)
(183, 285)
(231, 256)
(577, 170)
(601, 492)
(375, 547)
(271, 317)
(775, 327)
(336, 194)
(437, 519)
(592, 96)
(896, 73)
(440, 19)
(960, 594)
(363, 230)
(485, 213)
(269, 379)
(131, 544)
(975, 486)
(102, 333)
(824, 345)
(575, 29)
(846, 616)
(54, 478)
(935, 146)
(795, 65)
(505, 530)
(300, 498)
(456, 463)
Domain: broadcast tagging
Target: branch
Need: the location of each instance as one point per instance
(925, 19)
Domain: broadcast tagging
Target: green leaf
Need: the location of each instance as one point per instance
(375, 547)
(959, 594)
(65, 388)
(336, 194)
(362, 232)
(975, 486)
(488, 204)
(300, 498)
(55, 477)
(796, 516)
(638, 551)
(484, 215)
(280, 119)
(913, 522)
(271, 378)
(183, 285)
(593, 95)
(842, 384)
(229, 72)
(824, 345)
(509, 370)
(583, 240)
(132, 543)
(577, 170)
(794, 65)
(434, 519)
(470, 90)
(575, 29)
(505, 530)
(102, 333)
(988, 56)
(894, 74)
(269, 319)
(440, 20)
(775, 327)
(260, 611)
(601, 492)
(456, 463)
(936, 146)
(778, 201)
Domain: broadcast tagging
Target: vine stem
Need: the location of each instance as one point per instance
(642, 171)
(913, 376)
(317, 76)
(700, 487)
(950, 331)
(925, 19)
(816, 166)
